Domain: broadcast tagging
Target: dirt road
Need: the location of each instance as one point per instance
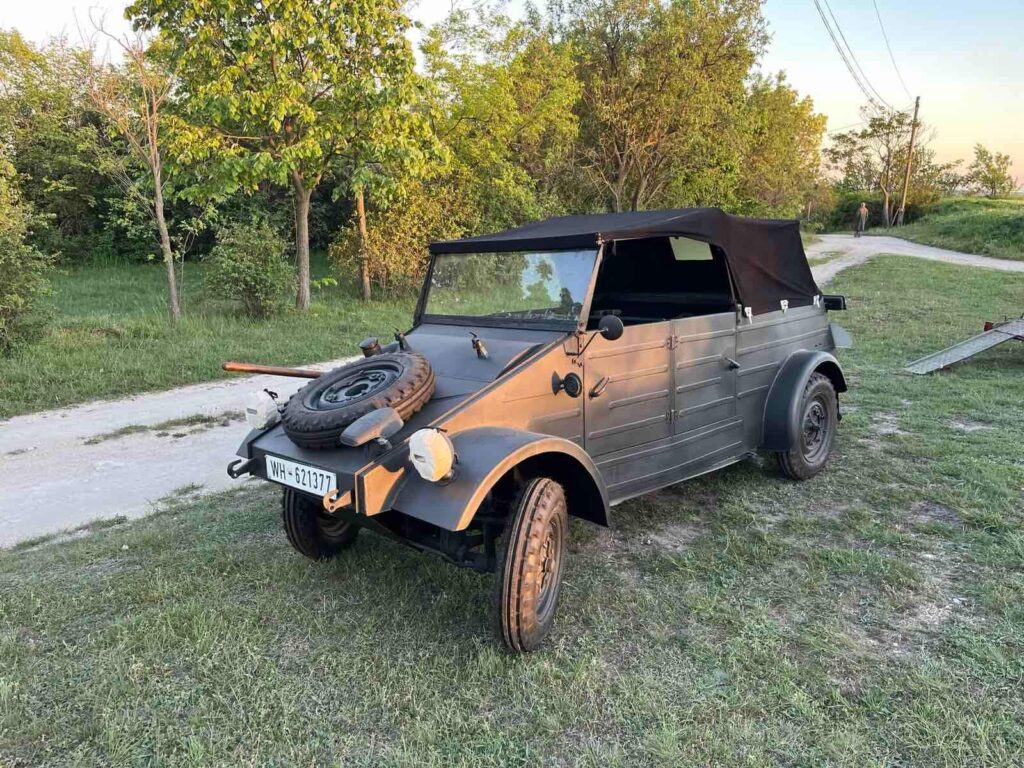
(63, 468)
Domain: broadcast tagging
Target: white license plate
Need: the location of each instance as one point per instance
(300, 476)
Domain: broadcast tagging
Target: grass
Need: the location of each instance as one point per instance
(971, 225)
(109, 336)
(870, 617)
(195, 423)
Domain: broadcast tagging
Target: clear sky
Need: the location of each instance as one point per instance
(965, 60)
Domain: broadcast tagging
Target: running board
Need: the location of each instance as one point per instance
(968, 348)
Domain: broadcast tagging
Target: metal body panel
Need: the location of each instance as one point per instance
(763, 344)
(628, 389)
(485, 455)
(704, 381)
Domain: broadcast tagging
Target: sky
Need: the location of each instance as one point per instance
(965, 60)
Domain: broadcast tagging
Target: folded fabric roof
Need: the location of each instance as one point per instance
(766, 256)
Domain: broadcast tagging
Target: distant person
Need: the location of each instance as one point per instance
(862, 220)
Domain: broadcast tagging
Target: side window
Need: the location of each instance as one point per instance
(686, 249)
(655, 279)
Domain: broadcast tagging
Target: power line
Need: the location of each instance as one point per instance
(889, 47)
(853, 57)
(876, 101)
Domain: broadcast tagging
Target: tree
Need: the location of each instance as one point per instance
(48, 125)
(283, 90)
(133, 99)
(22, 267)
(661, 84)
(874, 157)
(989, 174)
(781, 155)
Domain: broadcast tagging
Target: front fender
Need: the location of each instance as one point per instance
(782, 408)
(485, 454)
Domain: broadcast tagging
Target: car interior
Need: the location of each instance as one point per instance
(651, 280)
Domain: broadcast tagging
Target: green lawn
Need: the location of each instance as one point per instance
(871, 617)
(972, 225)
(109, 336)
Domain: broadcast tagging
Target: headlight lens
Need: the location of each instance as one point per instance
(432, 454)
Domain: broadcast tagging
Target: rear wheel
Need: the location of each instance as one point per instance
(312, 530)
(531, 556)
(819, 415)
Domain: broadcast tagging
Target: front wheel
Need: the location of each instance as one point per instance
(819, 416)
(313, 531)
(531, 556)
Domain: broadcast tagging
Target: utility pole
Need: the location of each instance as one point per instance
(910, 157)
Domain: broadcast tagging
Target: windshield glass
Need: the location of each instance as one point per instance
(533, 286)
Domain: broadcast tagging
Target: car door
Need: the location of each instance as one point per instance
(628, 389)
(704, 414)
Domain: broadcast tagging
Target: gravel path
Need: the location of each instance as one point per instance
(857, 250)
(54, 478)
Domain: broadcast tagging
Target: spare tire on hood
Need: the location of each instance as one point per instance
(317, 414)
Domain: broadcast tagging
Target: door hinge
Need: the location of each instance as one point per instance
(672, 416)
(672, 342)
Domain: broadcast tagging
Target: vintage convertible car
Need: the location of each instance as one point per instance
(558, 369)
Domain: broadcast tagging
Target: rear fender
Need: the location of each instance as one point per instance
(782, 408)
(485, 455)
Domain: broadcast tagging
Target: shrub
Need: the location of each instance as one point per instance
(397, 238)
(249, 264)
(23, 269)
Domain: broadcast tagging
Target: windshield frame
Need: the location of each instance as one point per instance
(485, 321)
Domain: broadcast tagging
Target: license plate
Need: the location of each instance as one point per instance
(300, 476)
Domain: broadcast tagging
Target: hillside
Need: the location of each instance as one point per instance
(973, 225)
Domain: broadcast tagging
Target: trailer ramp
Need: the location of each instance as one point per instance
(1014, 329)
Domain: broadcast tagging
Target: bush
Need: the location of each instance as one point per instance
(842, 216)
(249, 264)
(397, 239)
(23, 269)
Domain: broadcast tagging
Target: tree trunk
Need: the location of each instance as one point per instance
(364, 254)
(301, 203)
(885, 207)
(165, 244)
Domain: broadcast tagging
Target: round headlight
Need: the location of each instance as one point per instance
(432, 454)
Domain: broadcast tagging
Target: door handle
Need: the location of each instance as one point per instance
(599, 387)
(733, 365)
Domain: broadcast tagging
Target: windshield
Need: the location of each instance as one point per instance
(533, 286)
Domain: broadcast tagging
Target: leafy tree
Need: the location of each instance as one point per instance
(661, 86)
(781, 155)
(134, 101)
(874, 157)
(48, 125)
(989, 174)
(283, 90)
(22, 267)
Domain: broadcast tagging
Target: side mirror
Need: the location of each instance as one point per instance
(610, 327)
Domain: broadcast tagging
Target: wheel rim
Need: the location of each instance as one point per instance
(358, 385)
(817, 430)
(550, 570)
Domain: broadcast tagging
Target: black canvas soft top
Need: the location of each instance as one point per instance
(766, 256)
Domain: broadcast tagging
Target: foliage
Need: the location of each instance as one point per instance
(841, 215)
(989, 174)
(973, 225)
(428, 211)
(23, 269)
(780, 159)
(48, 126)
(249, 265)
(287, 92)
(662, 84)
